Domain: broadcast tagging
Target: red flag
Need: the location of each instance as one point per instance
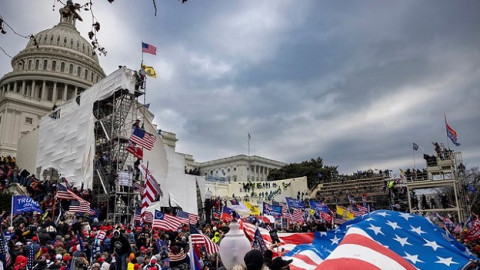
(134, 150)
(474, 232)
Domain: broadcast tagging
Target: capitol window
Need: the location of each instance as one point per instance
(28, 120)
(62, 67)
(45, 63)
(37, 64)
(29, 64)
(79, 70)
(70, 70)
(54, 65)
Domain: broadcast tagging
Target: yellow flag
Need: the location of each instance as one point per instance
(253, 210)
(342, 211)
(349, 215)
(149, 71)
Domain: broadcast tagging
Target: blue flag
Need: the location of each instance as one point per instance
(318, 206)
(258, 241)
(294, 203)
(22, 204)
(272, 210)
(412, 240)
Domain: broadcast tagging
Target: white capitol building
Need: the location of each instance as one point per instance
(54, 67)
(58, 65)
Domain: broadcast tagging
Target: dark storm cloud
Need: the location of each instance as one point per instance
(352, 82)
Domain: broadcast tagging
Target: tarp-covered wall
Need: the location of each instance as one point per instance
(66, 143)
(179, 189)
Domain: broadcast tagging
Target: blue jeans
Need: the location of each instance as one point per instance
(121, 262)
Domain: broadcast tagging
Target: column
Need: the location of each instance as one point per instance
(32, 93)
(65, 89)
(14, 86)
(23, 87)
(76, 91)
(54, 97)
(44, 91)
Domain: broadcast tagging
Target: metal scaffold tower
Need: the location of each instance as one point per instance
(114, 116)
(443, 191)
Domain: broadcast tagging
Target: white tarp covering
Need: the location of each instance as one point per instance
(67, 143)
(179, 189)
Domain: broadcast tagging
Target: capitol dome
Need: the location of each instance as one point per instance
(56, 66)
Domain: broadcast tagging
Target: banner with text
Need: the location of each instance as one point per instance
(23, 204)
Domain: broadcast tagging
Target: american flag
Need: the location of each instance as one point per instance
(189, 217)
(362, 209)
(198, 238)
(297, 215)
(356, 211)
(78, 204)
(79, 207)
(147, 48)
(137, 216)
(165, 221)
(150, 190)
(142, 138)
(412, 237)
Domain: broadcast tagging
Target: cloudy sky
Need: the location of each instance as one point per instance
(352, 82)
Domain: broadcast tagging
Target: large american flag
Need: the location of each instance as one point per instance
(188, 218)
(150, 190)
(412, 238)
(198, 238)
(143, 138)
(77, 204)
(165, 221)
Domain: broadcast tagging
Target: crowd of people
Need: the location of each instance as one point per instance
(57, 240)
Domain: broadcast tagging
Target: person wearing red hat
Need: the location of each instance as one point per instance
(152, 265)
(33, 246)
(20, 262)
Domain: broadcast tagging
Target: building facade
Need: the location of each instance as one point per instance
(55, 66)
(240, 168)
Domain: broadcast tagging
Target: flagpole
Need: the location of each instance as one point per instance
(11, 212)
(414, 167)
(445, 116)
(249, 138)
